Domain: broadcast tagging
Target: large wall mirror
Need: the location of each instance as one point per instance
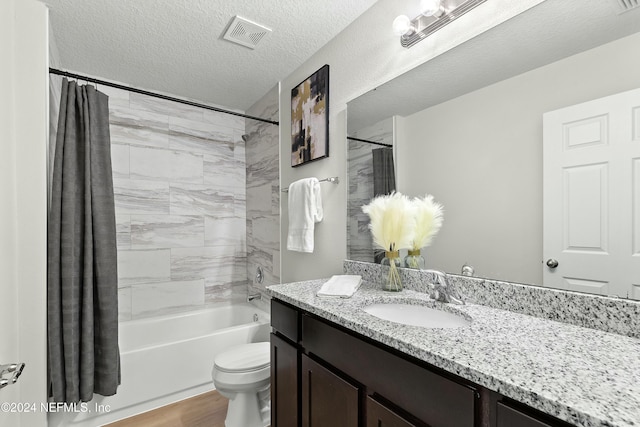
(467, 127)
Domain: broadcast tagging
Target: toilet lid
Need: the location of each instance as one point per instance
(244, 358)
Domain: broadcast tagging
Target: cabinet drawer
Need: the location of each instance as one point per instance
(509, 417)
(430, 397)
(381, 416)
(285, 320)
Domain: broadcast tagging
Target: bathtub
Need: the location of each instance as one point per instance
(169, 358)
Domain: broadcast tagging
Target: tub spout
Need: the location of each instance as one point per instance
(251, 297)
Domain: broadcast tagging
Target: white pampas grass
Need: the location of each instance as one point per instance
(428, 217)
(392, 221)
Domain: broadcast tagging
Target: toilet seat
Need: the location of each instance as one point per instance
(244, 358)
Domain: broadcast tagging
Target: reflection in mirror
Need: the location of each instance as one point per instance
(371, 171)
(468, 128)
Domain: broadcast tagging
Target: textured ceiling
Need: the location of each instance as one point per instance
(176, 46)
(548, 32)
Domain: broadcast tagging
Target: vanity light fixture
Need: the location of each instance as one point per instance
(434, 14)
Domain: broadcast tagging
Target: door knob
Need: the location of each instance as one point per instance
(552, 263)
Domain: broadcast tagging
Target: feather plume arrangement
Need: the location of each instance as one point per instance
(428, 216)
(392, 221)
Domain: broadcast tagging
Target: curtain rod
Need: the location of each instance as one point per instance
(156, 95)
(370, 142)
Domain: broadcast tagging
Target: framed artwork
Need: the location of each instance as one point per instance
(310, 118)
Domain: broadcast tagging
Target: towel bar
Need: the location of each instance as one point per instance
(332, 179)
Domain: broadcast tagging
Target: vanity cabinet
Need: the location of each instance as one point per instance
(326, 375)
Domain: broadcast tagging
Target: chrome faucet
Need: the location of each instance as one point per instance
(441, 291)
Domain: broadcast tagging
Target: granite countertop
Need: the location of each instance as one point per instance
(584, 376)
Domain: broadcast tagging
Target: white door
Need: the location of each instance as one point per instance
(591, 196)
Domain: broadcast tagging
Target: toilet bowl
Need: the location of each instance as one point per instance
(242, 375)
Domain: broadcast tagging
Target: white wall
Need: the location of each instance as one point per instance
(8, 288)
(363, 56)
(23, 131)
(481, 156)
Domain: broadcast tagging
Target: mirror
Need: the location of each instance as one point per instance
(467, 127)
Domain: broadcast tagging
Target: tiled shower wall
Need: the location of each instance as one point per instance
(179, 183)
(360, 172)
(263, 192)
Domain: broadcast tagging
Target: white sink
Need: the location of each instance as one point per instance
(417, 315)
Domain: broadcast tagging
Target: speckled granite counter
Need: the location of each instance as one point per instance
(584, 376)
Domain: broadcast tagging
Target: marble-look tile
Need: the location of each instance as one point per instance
(120, 160)
(140, 266)
(165, 107)
(224, 232)
(275, 200)
(266, 232)
(166, 165)
(240, 204)
(223, 172)
(275, 261)
(195, 199)
(224, 119)
(267, 107)
(117, 97)
(123, 231)
(260, 199)
(218, 294)
(132, 127)
(217, 263)
(124, 304)
(149, 299)
(141, 196)
(198, 137)
(166, 231)
(264, 171)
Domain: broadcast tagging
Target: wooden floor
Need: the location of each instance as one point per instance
(205, 410)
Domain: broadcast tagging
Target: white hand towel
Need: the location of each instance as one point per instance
(305, 209)
(344, 286)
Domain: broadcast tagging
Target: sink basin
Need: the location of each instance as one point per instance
(417, 315)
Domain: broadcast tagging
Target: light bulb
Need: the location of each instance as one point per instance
(430, 7)
(402, 25)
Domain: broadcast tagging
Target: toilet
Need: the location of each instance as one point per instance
(242, 375)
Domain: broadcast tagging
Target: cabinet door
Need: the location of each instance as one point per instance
(284, 383)
(381, 416)
(327, 399)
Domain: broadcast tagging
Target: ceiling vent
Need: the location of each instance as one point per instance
(245, 32)
(625, 5)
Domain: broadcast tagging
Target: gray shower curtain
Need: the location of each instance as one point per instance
(82, 274)
(384, 175)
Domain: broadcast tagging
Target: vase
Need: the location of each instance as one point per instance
(389, 273)
(414, 260)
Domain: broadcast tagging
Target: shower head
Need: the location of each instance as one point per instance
(245, 137)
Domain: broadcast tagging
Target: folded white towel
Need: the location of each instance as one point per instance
(340, 286)
(305, 209)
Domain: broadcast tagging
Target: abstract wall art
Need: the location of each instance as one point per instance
(310, 118)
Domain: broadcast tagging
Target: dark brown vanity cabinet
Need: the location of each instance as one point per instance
(324, 375)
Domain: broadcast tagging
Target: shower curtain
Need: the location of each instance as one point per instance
(384, 175)
(384, 181)
(82, 278)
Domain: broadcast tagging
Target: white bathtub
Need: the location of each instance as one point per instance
(169, 358)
